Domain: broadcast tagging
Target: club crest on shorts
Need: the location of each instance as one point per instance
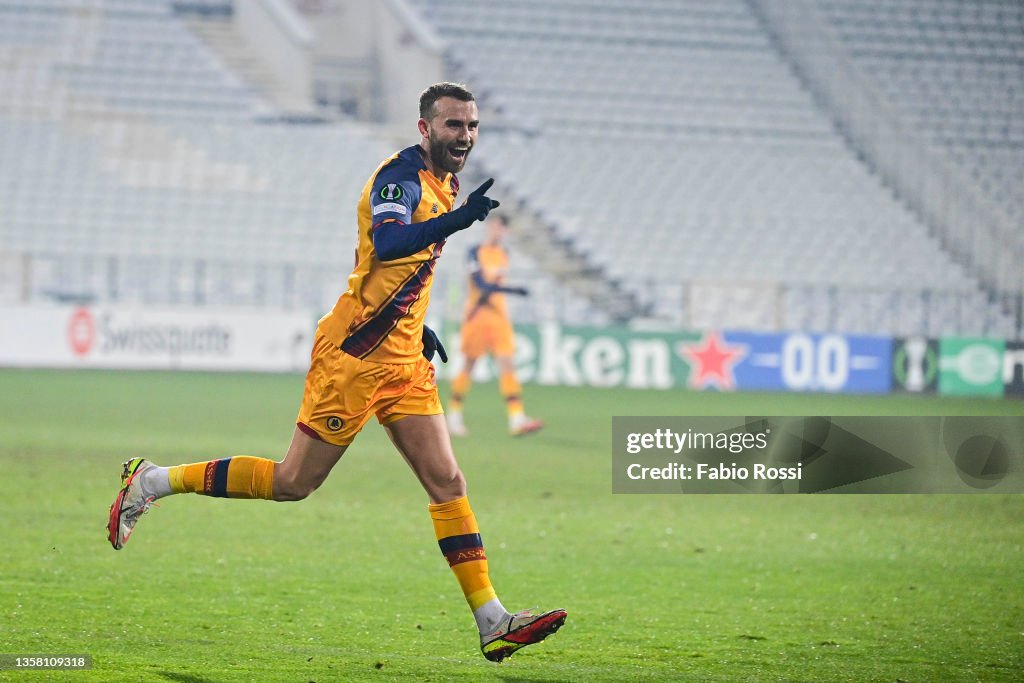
(335, 423)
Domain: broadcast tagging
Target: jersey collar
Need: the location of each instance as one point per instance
(414, 155)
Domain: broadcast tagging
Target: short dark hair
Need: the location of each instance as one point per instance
(435, 92)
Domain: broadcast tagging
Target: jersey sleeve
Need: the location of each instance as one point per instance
(395, 195)
(473, 259)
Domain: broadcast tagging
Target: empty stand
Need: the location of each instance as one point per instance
(672, 142)
(955, 70)
(669, 142)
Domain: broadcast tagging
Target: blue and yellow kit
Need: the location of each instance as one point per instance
(367, 358)
(380, 316)
(488, 266)
(486, 327)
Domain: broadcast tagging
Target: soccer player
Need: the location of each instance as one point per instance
(486, 328)
(371, 356)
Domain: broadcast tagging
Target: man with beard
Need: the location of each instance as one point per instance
(371, 356)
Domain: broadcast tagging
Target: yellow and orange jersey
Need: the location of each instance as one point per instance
(380, 316)
(488, 266)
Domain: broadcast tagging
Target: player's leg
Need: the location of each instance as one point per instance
(305, 466)
(320, 438)
(519, 423)
(460, 389)
(423, 442)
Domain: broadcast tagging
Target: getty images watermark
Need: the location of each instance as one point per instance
(817, 454)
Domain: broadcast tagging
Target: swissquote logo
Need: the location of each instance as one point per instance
(108, 334)
(81, 331)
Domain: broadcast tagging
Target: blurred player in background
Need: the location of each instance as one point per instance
(486, 328)
(371, 356)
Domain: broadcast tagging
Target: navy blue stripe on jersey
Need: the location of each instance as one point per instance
(369, 336)
(348, 345)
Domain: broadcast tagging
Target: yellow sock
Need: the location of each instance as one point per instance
(511, 390)
(460, 387)
(459, 538)
(239, 477)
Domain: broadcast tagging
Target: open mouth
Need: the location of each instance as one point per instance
(459, 154)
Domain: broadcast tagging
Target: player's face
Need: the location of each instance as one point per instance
(496, 230)
(451, 133)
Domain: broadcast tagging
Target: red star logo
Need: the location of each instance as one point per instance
(711, 361)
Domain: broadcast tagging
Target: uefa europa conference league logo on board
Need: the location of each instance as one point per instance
(958, 366)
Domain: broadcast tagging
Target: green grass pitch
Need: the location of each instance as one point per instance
(350, 585)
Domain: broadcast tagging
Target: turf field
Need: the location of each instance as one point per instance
(350, 585)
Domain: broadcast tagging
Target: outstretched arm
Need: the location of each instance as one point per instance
(395, 240)
(491, 287)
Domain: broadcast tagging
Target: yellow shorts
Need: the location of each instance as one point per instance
(487, 331)
(342, 392)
